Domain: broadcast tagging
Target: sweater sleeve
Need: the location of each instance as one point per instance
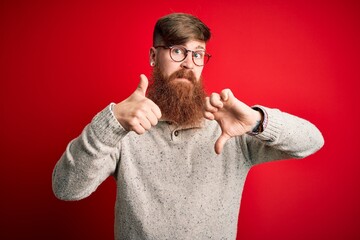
(89, 159)
(285, 136)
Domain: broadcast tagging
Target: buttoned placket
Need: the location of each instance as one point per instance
(174, 131)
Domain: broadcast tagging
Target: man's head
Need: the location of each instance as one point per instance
(178, 56)
(182, 32)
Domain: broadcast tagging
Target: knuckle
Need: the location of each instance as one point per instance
(214, 95)
(139, 113)
(133, 122)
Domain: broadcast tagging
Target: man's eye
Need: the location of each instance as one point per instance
(177, 51)
(198, 55)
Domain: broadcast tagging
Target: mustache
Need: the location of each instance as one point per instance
(183, 73)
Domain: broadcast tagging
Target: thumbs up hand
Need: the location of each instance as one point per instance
(234, 117)
(138, 113)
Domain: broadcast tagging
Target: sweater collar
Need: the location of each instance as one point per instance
(183, 127)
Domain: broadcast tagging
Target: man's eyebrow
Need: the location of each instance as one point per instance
(200, 47)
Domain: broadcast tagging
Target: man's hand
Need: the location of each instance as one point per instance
(138, 113)
(234, 117)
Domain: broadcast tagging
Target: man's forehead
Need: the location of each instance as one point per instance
(195, 44)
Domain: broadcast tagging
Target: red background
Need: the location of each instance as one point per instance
(62, 62)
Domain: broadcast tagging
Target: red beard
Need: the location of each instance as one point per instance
(180, 102)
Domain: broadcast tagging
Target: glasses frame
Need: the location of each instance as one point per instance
(186, 53)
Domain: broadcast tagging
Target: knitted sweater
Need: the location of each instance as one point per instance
(170, 182)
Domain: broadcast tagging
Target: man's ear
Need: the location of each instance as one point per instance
(152, 56)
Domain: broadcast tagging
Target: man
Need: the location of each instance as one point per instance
(159, 145)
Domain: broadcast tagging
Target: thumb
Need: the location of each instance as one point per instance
(143, 84)
(219, 145)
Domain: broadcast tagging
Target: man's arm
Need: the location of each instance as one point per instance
(284, 136)
(93, 156)
(89, 159)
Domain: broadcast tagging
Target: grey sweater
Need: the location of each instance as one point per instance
(170, 182)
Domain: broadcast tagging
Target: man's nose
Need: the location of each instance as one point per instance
(188, 61)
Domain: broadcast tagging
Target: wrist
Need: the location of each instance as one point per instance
(116, 112)
(257, 127)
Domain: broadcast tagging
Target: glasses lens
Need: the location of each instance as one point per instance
(199, 57)
(178, 53)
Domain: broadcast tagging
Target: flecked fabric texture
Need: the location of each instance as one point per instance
(170, 182)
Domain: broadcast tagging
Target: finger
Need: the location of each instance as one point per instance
(138, 129)
(145, 123)
(226, 94)
(156, 110)
(209, 115)
(143, 85)
(209, 107)
(215, 100)
(152, 118)
(219, 145)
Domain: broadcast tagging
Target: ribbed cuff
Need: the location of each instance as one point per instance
(107, 128)
(273, 125)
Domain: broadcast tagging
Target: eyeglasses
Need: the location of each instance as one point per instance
(179, 53)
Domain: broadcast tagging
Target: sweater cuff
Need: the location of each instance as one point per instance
(107, 128)
(273, 125)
